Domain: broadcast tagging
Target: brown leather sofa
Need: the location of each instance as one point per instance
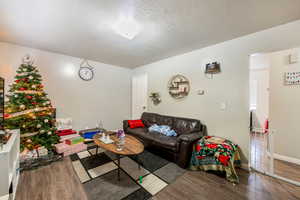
(179, 148)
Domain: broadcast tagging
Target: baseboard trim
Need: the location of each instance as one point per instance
(287, 158)
(245, 166)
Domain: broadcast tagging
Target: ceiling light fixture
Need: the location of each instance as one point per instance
(127, 27)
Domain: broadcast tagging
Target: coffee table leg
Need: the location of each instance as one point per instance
(118, 167)
(97, 149)
(138, 161)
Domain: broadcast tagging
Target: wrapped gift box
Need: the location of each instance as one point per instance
(27, 154)
(68, 137)
(64, 123)
(42, 151)
(90, 135)
(75, 149)
(66, 149)
(61, 147)
(74, 140)
(65, 132)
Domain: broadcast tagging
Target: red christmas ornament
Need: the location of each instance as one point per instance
(22, 89)
(6, 115)
(41, 86)
(17, 81)
(34, 103)
(29, 97)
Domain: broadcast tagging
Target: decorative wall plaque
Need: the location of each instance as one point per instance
(179, 86)
(292, 78)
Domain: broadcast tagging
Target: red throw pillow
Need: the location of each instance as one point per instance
(136, 123)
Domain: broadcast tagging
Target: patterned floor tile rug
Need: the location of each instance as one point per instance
(98, 174)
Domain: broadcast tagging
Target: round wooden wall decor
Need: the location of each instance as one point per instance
(179, 86)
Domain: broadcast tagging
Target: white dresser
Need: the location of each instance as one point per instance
(9, 167)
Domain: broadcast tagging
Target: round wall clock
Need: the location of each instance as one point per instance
(179, 87)
(86, 73)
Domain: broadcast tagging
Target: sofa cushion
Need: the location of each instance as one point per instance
(165, 120)
(136, 123)
(159, 139)
(149, 119)
(184, 126)
(154, 138)
(137, 131)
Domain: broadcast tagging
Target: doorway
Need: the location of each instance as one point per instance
(268, 109)
(139, 95)
(259, 111)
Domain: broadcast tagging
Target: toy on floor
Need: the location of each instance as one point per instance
(141, 179)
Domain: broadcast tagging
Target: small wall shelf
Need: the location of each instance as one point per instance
(179, 86)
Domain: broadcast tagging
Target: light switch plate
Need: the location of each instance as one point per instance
(293, 58)
(200, 92)
(223, 106)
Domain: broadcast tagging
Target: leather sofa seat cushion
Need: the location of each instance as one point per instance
(182, 126)
(139, 132)
(159, 139)
(154, 138)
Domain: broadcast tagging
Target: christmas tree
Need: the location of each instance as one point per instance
(29, 109)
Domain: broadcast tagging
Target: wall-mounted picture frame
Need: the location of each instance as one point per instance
(212, 68)
(292, 78)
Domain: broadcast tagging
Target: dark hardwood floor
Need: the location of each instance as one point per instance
(57, 181)
(261, 160)
(287, 170)
(205, 186)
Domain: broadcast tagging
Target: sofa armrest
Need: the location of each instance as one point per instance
(125, 125)
(185, 144)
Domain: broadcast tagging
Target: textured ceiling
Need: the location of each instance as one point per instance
(83, 28)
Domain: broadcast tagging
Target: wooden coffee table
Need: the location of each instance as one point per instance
(132, 146)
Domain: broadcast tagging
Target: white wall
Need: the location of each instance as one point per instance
(259, 74)
(231, 86)
(284, 105)
(107, 97)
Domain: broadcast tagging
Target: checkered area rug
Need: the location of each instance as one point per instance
(99, 176)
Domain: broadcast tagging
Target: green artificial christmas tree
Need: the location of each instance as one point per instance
(29, 109)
